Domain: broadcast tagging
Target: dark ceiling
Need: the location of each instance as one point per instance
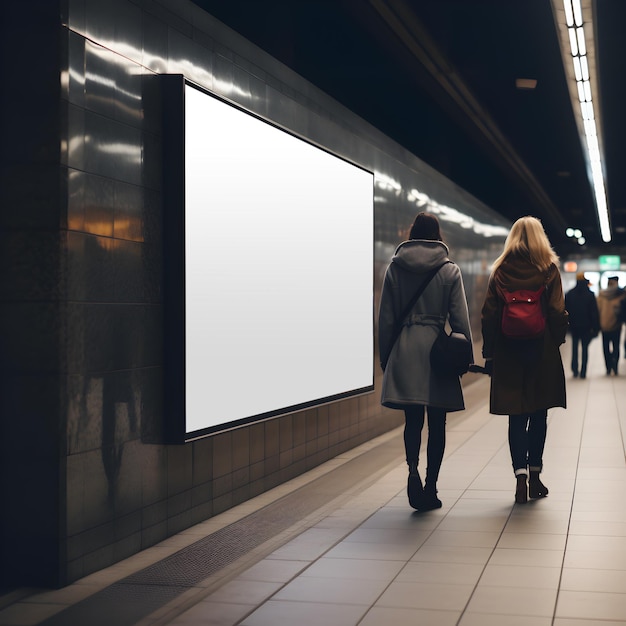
(439, 77)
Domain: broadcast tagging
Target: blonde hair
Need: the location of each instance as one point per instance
(528, 238)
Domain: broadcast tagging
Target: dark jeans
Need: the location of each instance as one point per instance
(414, 422)
(527, 437)
(582, 337)
(610, 345)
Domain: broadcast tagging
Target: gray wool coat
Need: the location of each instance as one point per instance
(408, 378)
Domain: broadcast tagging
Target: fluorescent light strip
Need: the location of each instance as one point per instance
(575, 30)
(578, 72)
(578, 12)
(573, 40)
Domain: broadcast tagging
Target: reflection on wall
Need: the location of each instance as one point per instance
(102, 355)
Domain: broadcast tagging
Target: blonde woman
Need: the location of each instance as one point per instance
(527, 376)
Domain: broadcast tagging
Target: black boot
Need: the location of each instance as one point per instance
(521, 489)
(536, 489)
(414, 489)
(430, 500)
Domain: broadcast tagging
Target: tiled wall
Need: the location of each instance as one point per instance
(86, 394)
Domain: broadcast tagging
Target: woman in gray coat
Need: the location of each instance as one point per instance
(409, 383)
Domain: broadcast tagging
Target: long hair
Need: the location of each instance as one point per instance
(528, 238)
(425, 226)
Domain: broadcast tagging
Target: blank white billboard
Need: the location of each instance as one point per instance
(278, 269)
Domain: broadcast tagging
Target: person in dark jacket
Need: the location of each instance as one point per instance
(527, 376)
(584, 322)
(609, 307)
(409, 383)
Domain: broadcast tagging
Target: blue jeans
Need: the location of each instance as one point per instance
(527, 437)
(414, 422)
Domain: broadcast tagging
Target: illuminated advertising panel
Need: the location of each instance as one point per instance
(278, 270)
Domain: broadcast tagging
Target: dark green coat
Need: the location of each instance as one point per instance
(527, 375)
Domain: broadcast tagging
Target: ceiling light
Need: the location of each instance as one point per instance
(573, 41)
(569, 13)
(580, 37)
(525, 83)
(571, 23)
(584, 66)
(578, 12)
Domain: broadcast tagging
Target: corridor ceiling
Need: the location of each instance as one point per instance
(439, 77)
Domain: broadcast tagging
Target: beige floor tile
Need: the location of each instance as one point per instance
(484, 619)
(356, 569)
(528, 524)
(332, 590)
(599, 580)
(524, 576)
(376, 551)
(440, 573)
(513, 601)
(473, 539)
(213, 614)
(465, 521)
(591, 605)
(453, 554)
(275, 613)
(597, 543)
(597, 527)
(401, 517)
(443, 597)
(590, 559)
(532, 541)
(396, 536)
(587, 622)
(379, 616)
(541, 558)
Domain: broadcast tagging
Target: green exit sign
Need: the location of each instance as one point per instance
(609, 262)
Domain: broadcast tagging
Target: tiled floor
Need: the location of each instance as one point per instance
(481, 560)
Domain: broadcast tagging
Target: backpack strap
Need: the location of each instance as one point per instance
(416, 296)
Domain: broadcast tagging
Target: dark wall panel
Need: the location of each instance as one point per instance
(82, 300)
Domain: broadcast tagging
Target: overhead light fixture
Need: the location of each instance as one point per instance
(575, 40)
(577, 234)
(525, 83)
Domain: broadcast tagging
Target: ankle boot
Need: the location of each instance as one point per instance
(414, 489)
(430, 500)
(521, 489)
(536, 489)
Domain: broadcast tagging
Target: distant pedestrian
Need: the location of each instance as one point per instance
(584, 322)
(527, 376)
(609, 307)
(405, 341)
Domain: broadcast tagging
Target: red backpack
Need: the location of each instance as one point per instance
(523, 314)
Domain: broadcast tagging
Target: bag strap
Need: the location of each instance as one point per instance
(416, 296)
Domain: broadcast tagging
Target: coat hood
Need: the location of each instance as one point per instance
(517, 272)
(610, 293)
(420, 255)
